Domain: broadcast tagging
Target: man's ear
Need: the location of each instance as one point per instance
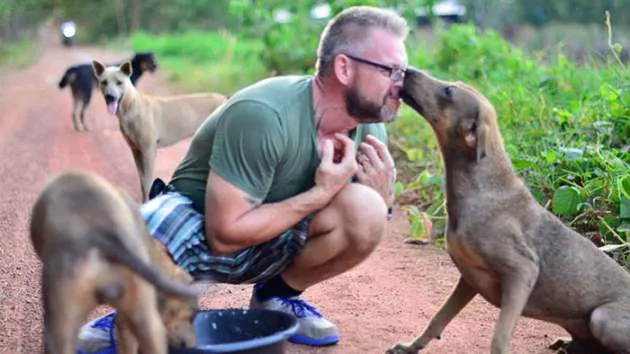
(126, 68)
(476, 139)
(342, 69)
(98, 68)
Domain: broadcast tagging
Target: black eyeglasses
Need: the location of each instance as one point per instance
(395, 74)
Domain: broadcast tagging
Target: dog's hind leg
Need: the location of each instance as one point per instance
(151, 331)
(82, 116)
(76, 101)
(461, 295)
(125, 333)
(85, 102)
(141, 326)
(66, 306)
(610, 324)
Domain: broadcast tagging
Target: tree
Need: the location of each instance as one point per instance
(136, 9)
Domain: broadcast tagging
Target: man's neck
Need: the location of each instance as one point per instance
(330, 113)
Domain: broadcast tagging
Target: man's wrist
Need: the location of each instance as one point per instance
(318, 197)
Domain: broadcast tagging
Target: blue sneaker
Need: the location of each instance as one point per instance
(313, 330)
(98, 336)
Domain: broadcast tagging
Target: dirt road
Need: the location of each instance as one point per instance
(389, 297)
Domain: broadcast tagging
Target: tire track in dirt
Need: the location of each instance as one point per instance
(25, 168)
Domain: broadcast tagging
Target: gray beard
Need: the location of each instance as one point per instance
(365, 111)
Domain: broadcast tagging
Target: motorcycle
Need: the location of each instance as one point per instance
(68, 31)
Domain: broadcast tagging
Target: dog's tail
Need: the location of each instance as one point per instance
(64, 79)
(110, 243)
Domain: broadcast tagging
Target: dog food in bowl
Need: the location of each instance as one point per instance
(241, 331)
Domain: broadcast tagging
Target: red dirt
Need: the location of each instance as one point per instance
(388, 298)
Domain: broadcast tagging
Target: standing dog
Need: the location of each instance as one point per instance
(508, 248)
(82, 81)
(95, 249)
(150, 122)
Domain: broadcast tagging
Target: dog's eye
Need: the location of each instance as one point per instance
(104, 82)
(118, 82)
(448, 91)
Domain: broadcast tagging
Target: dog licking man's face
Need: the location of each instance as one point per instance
(455, 111)
(438, 100)
(113, 82)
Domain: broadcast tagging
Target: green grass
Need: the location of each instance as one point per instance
(18, 55)
(197, 61)
(566, 129)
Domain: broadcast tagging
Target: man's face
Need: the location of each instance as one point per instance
(372, 96)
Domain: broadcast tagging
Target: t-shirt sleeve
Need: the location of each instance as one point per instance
(248, 147)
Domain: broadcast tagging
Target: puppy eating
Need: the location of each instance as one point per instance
(95, 249)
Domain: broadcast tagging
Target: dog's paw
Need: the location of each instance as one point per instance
(401, 348)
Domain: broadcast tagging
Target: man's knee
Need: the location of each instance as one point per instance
(363, 214)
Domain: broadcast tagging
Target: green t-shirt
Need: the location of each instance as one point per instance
(263, 141)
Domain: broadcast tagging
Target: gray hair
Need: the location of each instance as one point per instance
(347, 33)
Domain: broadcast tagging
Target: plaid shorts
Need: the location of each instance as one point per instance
(171, 218)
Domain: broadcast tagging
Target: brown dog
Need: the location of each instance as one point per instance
(95, 249)
(149, 122)
(507, 247)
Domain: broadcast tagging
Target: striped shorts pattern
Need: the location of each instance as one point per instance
(171, 218)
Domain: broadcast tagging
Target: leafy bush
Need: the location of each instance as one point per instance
(18, 54)
(205, 61)
(290, 44)
(566, 129)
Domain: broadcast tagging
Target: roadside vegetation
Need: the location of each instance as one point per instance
(556, 72)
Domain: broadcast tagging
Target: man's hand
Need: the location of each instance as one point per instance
(376, 168)
(336, 168)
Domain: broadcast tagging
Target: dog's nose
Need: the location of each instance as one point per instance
(416, 73)
(109, 98)
(395, 90)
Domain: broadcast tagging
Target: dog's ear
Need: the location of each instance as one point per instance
(98, 68)
(126, 68)
(476, 138)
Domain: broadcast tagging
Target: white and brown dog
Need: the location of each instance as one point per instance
(149, 122)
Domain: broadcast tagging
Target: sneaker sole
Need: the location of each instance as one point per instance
(314, 342)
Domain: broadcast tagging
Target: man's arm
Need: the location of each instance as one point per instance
(236, 220)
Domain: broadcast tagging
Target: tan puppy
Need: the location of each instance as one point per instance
(95, 249)
(149, 122)
(508, 248)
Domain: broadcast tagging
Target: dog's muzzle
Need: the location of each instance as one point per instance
(410, 101)
(109, 99)
(112, 103)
